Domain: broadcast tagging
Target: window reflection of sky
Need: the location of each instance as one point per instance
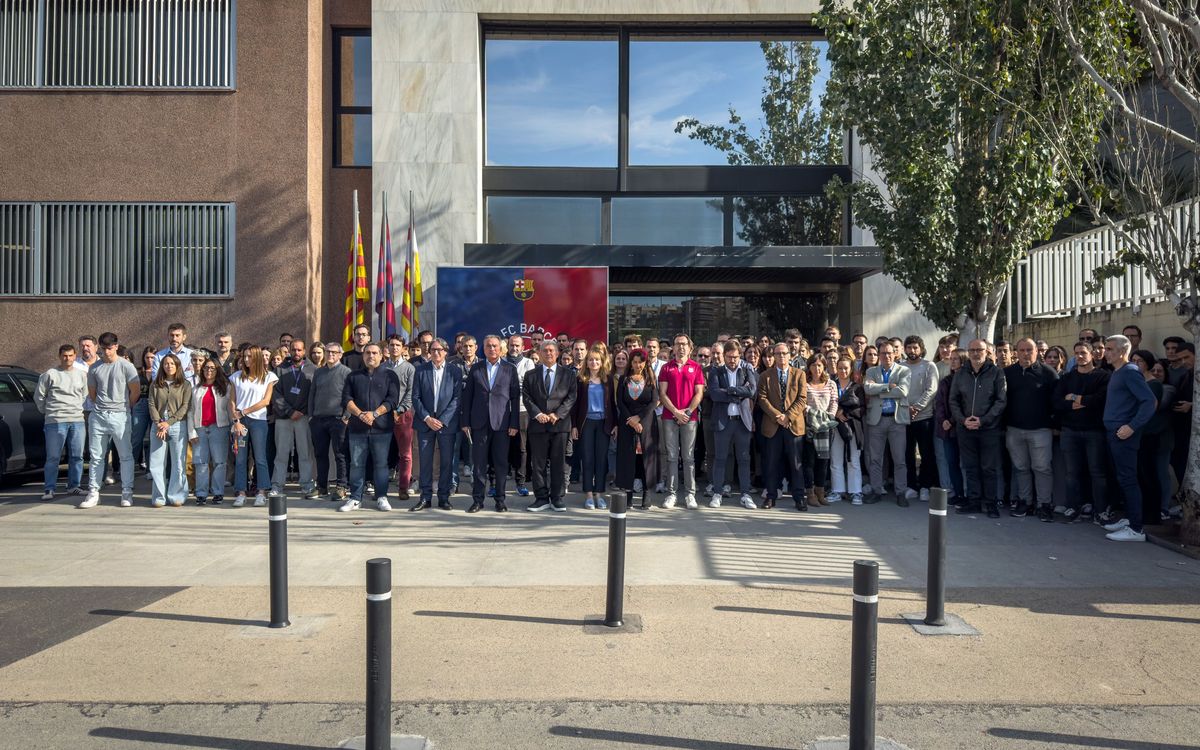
(554, 102)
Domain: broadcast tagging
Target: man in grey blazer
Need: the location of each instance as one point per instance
(887, 420)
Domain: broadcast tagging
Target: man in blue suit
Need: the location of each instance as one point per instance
(437, 388)
(490, 415)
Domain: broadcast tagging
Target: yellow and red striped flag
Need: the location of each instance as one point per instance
(358, 293)
(410, 305)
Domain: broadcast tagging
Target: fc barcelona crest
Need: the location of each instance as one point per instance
(523, 289)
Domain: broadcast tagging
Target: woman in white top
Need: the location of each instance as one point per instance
(208, 431)
(252, 386)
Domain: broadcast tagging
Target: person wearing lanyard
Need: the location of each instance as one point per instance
(289, 404)
(886, 386)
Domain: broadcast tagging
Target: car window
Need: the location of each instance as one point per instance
(28, 384)
(8, 392)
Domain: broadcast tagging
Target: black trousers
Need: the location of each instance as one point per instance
(327, 431)
(548, 466)
(785, 457)
(920, 438)
(489, 447)
(980, 454)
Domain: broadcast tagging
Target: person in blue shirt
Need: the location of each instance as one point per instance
(1128, 408)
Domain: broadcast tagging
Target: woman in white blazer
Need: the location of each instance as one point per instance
(208, 431)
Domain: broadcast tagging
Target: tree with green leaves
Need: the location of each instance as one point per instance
(796, 130)
(953, 102)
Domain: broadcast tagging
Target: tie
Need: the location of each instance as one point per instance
(549, 379)
(783, 380)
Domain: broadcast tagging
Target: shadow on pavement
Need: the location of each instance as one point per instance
(651, 740)
(1077, 740)
(505, 618)
(796, 613)
(177, 617)
(194, 740)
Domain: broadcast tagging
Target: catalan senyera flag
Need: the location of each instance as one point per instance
(358, 292)
(385, 290)
(413, 298)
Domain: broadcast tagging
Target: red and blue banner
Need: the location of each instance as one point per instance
(507, 300)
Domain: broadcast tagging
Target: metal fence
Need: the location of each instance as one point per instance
(117, 249)
(182, 44)
(1051, 281)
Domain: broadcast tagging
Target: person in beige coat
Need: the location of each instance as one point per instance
(783, 396)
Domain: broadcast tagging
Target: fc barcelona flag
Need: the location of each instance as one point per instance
(509, 300)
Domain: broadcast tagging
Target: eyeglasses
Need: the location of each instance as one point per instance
(976, 351)
(437, 349)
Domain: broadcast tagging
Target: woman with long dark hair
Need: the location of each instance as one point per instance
(209, 431)
(820, 416)
(140, 424)
(846, 448)
(636, 396)
(170, 402)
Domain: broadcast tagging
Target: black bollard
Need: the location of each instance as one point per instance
(862, 655)
(935, 583)
(379, 654)
(277, 523)
(614, 605)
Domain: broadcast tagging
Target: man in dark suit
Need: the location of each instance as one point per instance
(437, 389)
(549, 393)
(491, 414)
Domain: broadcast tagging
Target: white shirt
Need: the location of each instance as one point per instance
(438, 372)
(733, 405)
(657, 365)
(249, 392)
(87, 400)
(553, 371)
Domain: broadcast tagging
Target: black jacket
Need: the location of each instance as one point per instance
(369, 391)
(1093, 390)
(982, 394)
(1030, 396)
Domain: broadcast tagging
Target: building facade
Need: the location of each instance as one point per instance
(197, 161)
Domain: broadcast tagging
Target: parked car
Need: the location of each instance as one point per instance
(22, 440)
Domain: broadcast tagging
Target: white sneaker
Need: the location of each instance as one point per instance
(708, 491)
(689, 502)
(726, 489)
(273, 493)
(109, 481)
(748, 502)
(784, 488)
(158, 502)
(260, 500)
(637, 485)
(924, 495)
(1126, 535)
(660, 488)
(715, 502)
(126, 500)
(48, 495)
(176, 503)
(91, 501)
(669, 502)
(833, 497)
(382, 504)
(240, 500)
(1117, 526)
(856, 499)
(911, 494)
(350, 505)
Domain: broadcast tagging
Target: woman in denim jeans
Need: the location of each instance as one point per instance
(170, 404)
(209, 433)
(252, 388)
(140, 424)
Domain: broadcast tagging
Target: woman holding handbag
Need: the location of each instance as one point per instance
(820, 417)
(636, 397)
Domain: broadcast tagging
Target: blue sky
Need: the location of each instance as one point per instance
(554, 103)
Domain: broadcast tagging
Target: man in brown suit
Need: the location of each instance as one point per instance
(782, 396)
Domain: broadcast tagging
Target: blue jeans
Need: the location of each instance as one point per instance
(58, 435)
(172, 448)
(105, 427)
(1125, 460)
(949, 471)
(377, 443)
(212, 446)
(594, 459)
(257, 439)
(141, 426)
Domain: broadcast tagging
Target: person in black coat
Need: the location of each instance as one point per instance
(636, 397)
(491, 412)
(549, 394)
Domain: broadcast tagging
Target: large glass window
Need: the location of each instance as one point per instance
(667, 221)
(551, 102)
(543, 221)
(352, 97)
(707, 316)
(730, 102)
(787, 220)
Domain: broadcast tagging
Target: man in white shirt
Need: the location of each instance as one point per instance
(436, 390)
(518, 450)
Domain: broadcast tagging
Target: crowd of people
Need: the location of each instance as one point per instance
(844, 421)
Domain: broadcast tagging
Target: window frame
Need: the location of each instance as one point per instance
(339, 109)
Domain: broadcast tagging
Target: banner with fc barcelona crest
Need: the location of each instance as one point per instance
(508, 300)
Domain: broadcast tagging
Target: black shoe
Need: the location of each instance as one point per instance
(1045, 513)
(993, 511)
(768, 503)
(968, 507)
(445, 505)
(901, 500)
(538, 505)
(1020, 510)
(1106, 517)
(558, 505)
(216, 499)
(873, 498)
(323, 491)
(802, 504)
(501, 507)
(422, 504)
(201, 500)
(1070, 515)
(475, 507)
